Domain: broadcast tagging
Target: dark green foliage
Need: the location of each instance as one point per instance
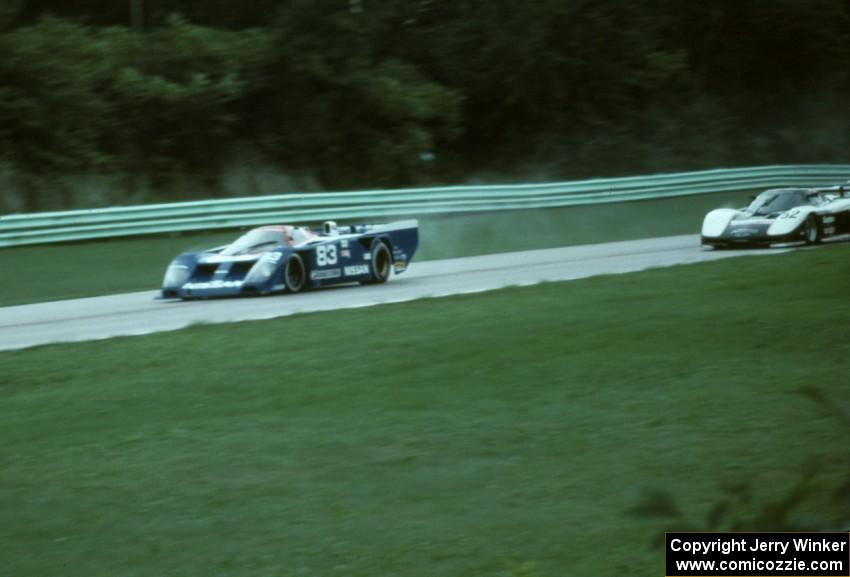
(77, 99)
(337, 106)
(360, 93)
(53, 111)
(176, 92)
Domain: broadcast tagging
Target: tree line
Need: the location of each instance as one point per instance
(113, 102)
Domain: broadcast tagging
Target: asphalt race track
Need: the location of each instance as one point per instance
(139, 313)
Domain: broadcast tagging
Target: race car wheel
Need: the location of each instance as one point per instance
(294, 274)
(811, 230)
(381, 263)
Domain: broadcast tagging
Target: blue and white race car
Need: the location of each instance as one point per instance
(781, 216)
(293, 258)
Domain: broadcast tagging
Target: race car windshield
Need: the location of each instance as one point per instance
(257, 240)
(780, 202)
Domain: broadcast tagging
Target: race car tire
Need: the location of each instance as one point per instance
(294, 273)
(811, 230)
(381, 263)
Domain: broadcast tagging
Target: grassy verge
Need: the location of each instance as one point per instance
(500, 434)
(44, 273)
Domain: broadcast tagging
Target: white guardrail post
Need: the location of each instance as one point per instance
(53, 227)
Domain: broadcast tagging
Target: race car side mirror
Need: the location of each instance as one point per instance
(330, 228)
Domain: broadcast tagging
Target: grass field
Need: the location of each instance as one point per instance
(43, 273)
(500, 434)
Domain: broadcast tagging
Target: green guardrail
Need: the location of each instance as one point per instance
(51, 227)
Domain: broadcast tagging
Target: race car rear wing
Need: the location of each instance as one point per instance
(842, 190)
(331, 228)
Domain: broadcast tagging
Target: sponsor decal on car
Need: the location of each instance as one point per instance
(216, 284)
(325, 274)
(343, 243)
(345, 253)
(356, 270)
(400, 265)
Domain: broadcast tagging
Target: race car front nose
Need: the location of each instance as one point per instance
(716, 221)
(175, 275)
(263, 270)
(746, 230)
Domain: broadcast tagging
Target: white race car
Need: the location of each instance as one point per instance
(781, 216)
